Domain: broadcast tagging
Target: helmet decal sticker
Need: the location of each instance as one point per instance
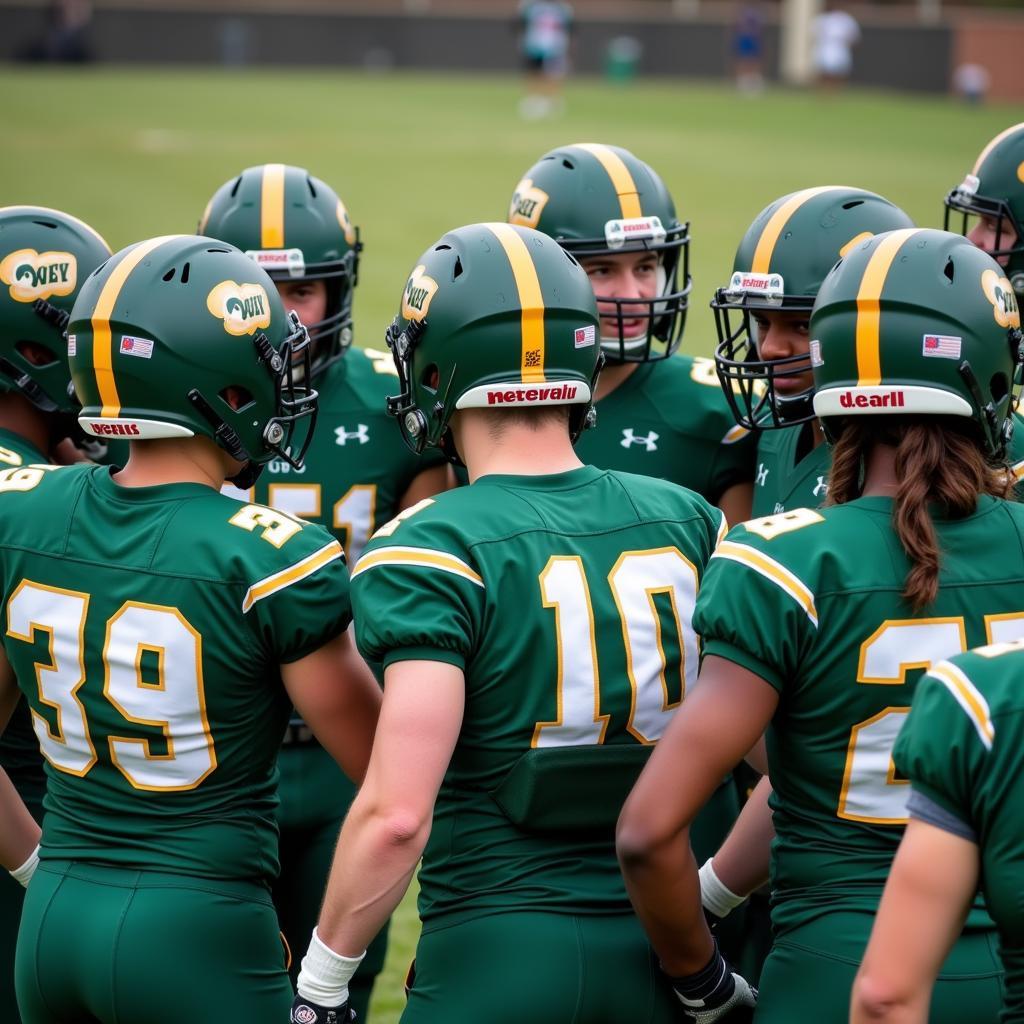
(999, 292)
(33, 275)
(243, 307)
(419, 290)
(527, 204)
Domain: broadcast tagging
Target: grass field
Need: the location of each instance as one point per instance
(138, 152)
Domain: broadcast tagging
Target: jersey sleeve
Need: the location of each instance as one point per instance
(417, 596)
(754, 611)
(735, 462)
(946, 741)
(298, 594)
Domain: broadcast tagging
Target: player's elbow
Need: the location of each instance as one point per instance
(641, 837)
(403, 827)
(877, 997)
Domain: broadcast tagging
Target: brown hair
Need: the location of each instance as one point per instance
(532, 416)
(938, 461)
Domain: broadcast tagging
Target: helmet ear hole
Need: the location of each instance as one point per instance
(999, 386)
(236, 397)
(430, 378)
(36, 354)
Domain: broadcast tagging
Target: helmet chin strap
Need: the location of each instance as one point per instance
(247, 476)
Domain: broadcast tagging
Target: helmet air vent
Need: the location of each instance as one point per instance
(184, 273)
(852, 203)
(169, 276)
(311, 186)
(949, 269)
(457, 272)
(46, 224)
(237, 185)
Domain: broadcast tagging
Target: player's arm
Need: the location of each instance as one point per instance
(388, 824)
(741, 863)
(736, 502)
(426, 484)
(339, 699)
(930, 889)
(19, 834)
(715, 727)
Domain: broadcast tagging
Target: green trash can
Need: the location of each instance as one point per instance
(622, 58)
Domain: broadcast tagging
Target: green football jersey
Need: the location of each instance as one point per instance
(146, 626)
(566, 600)
(811, 602)
(19, 750)
(669, 419)
(783, 481)
(357, 466)
(961, 749)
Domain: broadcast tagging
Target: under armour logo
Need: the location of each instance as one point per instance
(343, 436)
(821, 488)
(762, 474)
(630, 438)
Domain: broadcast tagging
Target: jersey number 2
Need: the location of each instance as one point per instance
(870, 791)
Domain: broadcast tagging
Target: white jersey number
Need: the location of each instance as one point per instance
(870, 791)
(163, 691)
(636, 578)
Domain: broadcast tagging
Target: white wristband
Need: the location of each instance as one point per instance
(324, 975)
(714, 894)
(23, 875)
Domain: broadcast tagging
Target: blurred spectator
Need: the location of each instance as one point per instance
(66, 36)
(747, 49)
(836, 32)
(623, 58)
(971, 82)
(546, 27)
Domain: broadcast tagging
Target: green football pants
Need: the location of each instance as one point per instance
(315, 795)
(12, 896)
(104, 945)
(809, 974)
(540, 968)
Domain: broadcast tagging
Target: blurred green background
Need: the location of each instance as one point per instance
(138, 152)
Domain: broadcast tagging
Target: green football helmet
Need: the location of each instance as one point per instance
(913, 322)
(183, 335)
(45, 255)
(779, 266)
(598, 200)
(492, 316)
(995, 188)
(297, 229)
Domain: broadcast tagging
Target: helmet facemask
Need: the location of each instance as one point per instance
(663, 316)
(295, 404)
(747, 379)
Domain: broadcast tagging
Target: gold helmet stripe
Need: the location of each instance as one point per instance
(777, 223)
(622, 180)
(869, 356)
(995, 142)
(102, 354)
(531, 301)
(272, 207)
(46, 209)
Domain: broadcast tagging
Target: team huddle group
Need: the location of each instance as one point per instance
(615, 612)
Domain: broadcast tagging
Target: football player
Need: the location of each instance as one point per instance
(45, 256)
(990, 202)
(535, 632)
(357, 475)
(764, 356)
(656, 415)
(817, 624)
(161, 632)
(961, 750)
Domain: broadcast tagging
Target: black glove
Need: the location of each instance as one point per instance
(305, 1012)
(715, 993)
